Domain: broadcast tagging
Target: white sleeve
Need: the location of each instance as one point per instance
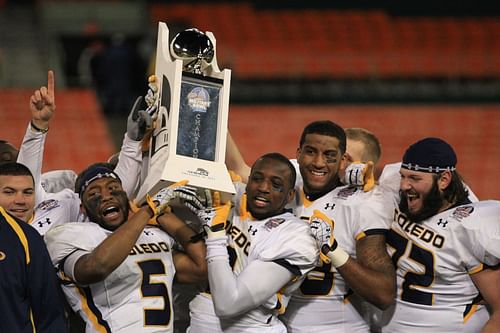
(254, 286)
(129, 165)
(390, 177)
(62, 240)
(483, 231)
(58, 180)
(31, 155)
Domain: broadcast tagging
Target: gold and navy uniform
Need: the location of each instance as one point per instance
(434, 262)
(30, 300)
(324, 302)
(135, 297)
(282, 239)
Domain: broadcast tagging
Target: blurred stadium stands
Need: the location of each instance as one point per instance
(404, 70)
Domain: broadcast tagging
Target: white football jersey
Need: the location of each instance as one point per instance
(324, 302)
(434, 261)
(135, 297)
(283, 239)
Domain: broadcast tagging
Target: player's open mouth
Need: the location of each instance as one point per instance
(110, 212)
(413, 200)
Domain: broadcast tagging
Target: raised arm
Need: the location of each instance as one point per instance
(130, 158)
(42, 107)
(235, 161)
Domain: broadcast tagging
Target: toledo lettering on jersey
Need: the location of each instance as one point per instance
(418, 230)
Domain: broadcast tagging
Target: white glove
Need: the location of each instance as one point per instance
(159, 202)
(190, 198)
(152, 95)
(360, 174)
(215, 219)
(322, 229)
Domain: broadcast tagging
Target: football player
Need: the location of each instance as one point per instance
(270, 250)
(355, 262)
(444, 247)
(117, 270)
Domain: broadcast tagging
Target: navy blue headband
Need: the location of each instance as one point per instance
(432, 155)
(95, 173)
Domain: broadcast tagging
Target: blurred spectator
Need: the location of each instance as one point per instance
(118, 75)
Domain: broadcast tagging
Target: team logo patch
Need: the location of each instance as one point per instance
(48, 204)
(347, 192)
(462, 212)
(273, 223)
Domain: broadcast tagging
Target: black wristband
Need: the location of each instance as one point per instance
(43, 131)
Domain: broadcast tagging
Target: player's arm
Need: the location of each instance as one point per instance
(105, 258)
(488, 283)
(42, 108)
(190, 266)
(130, 157)
(233, 295)
(235, 161)
(372, 274)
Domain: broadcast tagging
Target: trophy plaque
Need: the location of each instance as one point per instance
(189, 137)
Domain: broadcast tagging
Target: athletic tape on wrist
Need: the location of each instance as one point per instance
(338, 257)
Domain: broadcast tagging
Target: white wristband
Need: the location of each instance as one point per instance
(338, 257)
(216, 247)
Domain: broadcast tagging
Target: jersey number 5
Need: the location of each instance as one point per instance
(421, 256)
(155, 317)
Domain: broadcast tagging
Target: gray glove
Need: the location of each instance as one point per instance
(138, 121)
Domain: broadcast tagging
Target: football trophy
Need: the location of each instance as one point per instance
(189, 137)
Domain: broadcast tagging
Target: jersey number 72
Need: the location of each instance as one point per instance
(404, 249)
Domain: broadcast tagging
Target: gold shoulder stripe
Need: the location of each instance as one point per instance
(476, 269)
(19, 232)
(360, 235)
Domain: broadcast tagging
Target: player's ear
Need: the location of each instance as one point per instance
(290, 195)
(344, 161)
(444, 180)
(297, 154)
(82, 209)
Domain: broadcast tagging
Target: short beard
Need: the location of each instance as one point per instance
(431, 204)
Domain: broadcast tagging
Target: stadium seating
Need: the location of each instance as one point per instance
(341, 43)
(78, 133)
